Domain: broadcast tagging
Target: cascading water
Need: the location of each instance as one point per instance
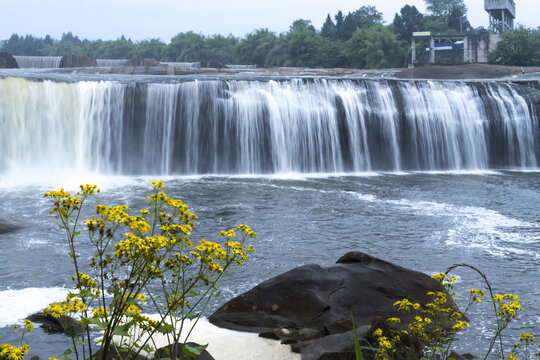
(183, 65)
(38, 62)
(254, 127)
(112, 62)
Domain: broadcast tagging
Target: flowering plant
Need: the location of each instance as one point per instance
(155, 251)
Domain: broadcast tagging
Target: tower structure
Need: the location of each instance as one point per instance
(501, 15)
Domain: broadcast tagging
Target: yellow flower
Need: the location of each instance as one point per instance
(377, 333)
(28, 326)
(526, 337)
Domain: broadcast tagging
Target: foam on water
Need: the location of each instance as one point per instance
(16, 305)
(225, 344)
(473, 227)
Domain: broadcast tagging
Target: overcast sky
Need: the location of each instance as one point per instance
(145, 19)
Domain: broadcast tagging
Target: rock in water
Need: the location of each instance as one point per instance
(8, 225)
(7, 61)
(310, 306)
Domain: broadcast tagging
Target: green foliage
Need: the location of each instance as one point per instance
(255, 47)
(328, 29)
(520, 47)
(408, 21)
(363, 18)
(374, 48)
(446, 16)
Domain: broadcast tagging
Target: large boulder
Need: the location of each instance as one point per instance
(310, 306)
(8, 225)
(7, 61)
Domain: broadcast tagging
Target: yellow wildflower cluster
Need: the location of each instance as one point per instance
(100, 312)
(247, 231)
(88, 190)
(525, 342)
(425, 324)
(134, 247)
(477, 295)
(10, 352)
(385, 346)
(507, 305)
(63, 203)
(406, 305)
(86, 281)
(71, 305)
(28, 326)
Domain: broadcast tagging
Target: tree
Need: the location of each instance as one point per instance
(219, 48)
(363, 18)
(255, 47)
(339, 24)
(408, 21)
(149, 49)
(328, 29)
(303, 44)
(186, 47)
(374, 48)
(446, 15)
(520, 47)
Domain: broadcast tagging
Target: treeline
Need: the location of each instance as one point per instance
(359, 39)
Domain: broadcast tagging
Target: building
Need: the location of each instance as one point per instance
(454, 49)
(501, 15)
(466, 48)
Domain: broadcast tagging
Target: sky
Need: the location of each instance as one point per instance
(143, 19)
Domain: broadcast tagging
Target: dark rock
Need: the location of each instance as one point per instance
(336, 346)
(35, 358)
(166, 352)
(456, 356)
(146, 62)
(120, 354)
(310, 306)
(9, 225)
(212, 65)
(63, 324)
(74, 61)
(7, 61)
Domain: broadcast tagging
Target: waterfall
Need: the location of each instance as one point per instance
(38, 62)
(260, 127)
(182, 65)
(112, 62)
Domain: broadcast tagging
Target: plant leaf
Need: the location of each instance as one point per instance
(193, 351)
(357, 349)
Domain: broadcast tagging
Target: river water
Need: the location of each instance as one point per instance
(421, 174)
(423, 221)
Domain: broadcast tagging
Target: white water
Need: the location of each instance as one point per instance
(16, 305)
(112, 62)
(223, 344)
(38, 62)
(182, 65)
